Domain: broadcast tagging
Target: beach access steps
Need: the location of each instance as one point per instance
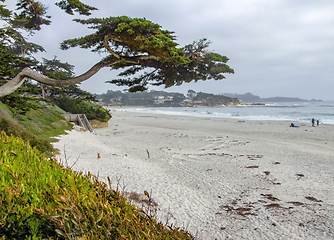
(80, 118)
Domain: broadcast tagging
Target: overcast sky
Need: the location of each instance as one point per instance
(276, 47)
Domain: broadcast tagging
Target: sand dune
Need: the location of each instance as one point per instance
(218, 178)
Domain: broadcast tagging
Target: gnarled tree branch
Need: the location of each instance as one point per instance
(106, 45)
(134, 59)
(18, 80)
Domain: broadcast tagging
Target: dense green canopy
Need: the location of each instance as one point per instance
(145, 52)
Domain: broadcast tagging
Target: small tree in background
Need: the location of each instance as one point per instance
(191, 94)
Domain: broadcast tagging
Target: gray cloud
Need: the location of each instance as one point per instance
(276, 47)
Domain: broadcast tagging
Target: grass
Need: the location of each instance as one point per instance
(37, 125)
(44, 122)
(41, 199)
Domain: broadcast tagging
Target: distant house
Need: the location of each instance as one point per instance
(159, 100)
(168, 100)
(163, 100)
(187, 100)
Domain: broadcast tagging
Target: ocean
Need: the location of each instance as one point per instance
(294, 112)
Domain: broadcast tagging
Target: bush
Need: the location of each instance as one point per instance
(20, 105)
(42, 199)
(77, 106)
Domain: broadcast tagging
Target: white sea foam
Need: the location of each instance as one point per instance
(294, 112)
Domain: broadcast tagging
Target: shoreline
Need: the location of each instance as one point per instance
(299, 115)
(218, 178)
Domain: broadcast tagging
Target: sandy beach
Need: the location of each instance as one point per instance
(218, 178)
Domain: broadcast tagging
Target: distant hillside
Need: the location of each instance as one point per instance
(164, 99)
(283, 99)
(247, 97)
(250, 98)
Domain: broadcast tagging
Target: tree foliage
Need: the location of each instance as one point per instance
(149, 98)
(56, 69)
(149, 54)
(212, 100)
(71, 6)
(191, 94)
(145, 53)
(78, 106)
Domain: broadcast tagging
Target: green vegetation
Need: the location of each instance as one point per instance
(209, 99)
(163, 99)
(34, 122)
(79, 105)
(139, 98)
(40, 199)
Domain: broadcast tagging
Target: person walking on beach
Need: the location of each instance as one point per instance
(318, 122)
(312, 122)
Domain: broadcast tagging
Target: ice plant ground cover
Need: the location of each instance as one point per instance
(41, 199)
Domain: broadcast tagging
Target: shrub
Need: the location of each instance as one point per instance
(20, 105)
(77, 105)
